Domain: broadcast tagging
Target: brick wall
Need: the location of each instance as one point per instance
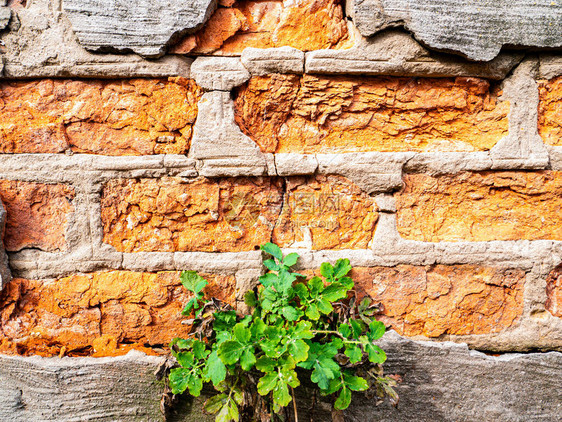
(439, 177)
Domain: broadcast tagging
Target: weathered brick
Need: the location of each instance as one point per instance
(37, 214)
(103, 313)
(481, 206)
(123, 117)
(305, 24)
(550, 111)
(326, 212)
(554, 292)
(436, 300)
(321, 114)
(204, 215)
(236, 214)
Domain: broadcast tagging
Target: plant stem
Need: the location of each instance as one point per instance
(295, 405)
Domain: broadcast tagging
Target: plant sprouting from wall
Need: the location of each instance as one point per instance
(300, 330)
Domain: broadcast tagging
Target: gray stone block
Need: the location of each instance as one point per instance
(219, 142)
(273, 60)
(394, 52)
(43, 45)
(219, 73)
(80, 389)
(371, 171)
(447, 382)
(143, 26)
(523, 147)
(5, 16)
(475, 28)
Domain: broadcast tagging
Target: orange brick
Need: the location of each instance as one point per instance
(437, 300)
(305, 25)
(103, 313)
(503, 205)
(550, 111)
(554, 292)
(236, 214)
(123, 117)
(37, 215)
(325, 114)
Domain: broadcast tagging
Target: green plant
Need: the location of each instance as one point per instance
(298, 327)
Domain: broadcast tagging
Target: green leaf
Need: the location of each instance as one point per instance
(354, 353)
(376, 354)
(281, 395)
(267, 383)
(290, 313)
(286, 280)
(268, 280)
(357, 327)
(345, 330)
(250, 299)
(215, 403)
(355, 383)
(192, 304)
(326, 270)
(247, 360)
(185, 359)
(341, 268)
(224, 321)
(324, 306)
(298, 350)
(241, 333)
(266, 364)
(178, 380)
(230, 351)
(272, 249)
(343, 400)
(192, 281)
(233, 411)
(312, 312)
(215, 370)
(325, 369)
(376, 330)
(195, 384)
(335, 291)
(200, 350)
(224, 414)
(271, 265)
(291, 259)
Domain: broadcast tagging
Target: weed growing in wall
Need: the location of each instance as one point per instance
(311, 331)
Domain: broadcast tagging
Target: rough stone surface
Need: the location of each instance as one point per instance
(219, 73)
(481, 206)
(85, 389)
(476, 29)
(41, 43)
(550, 111)
(315, 114)
(145, 27)
(99, 314)
(442, 299)
(305, 25)
(123, 117)
(220, 143)
(325, 212)
(554, 292)
(5, 15)
(394, 52)
(448, 382)
(37, 215)
(204, 215)
(273, 60)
